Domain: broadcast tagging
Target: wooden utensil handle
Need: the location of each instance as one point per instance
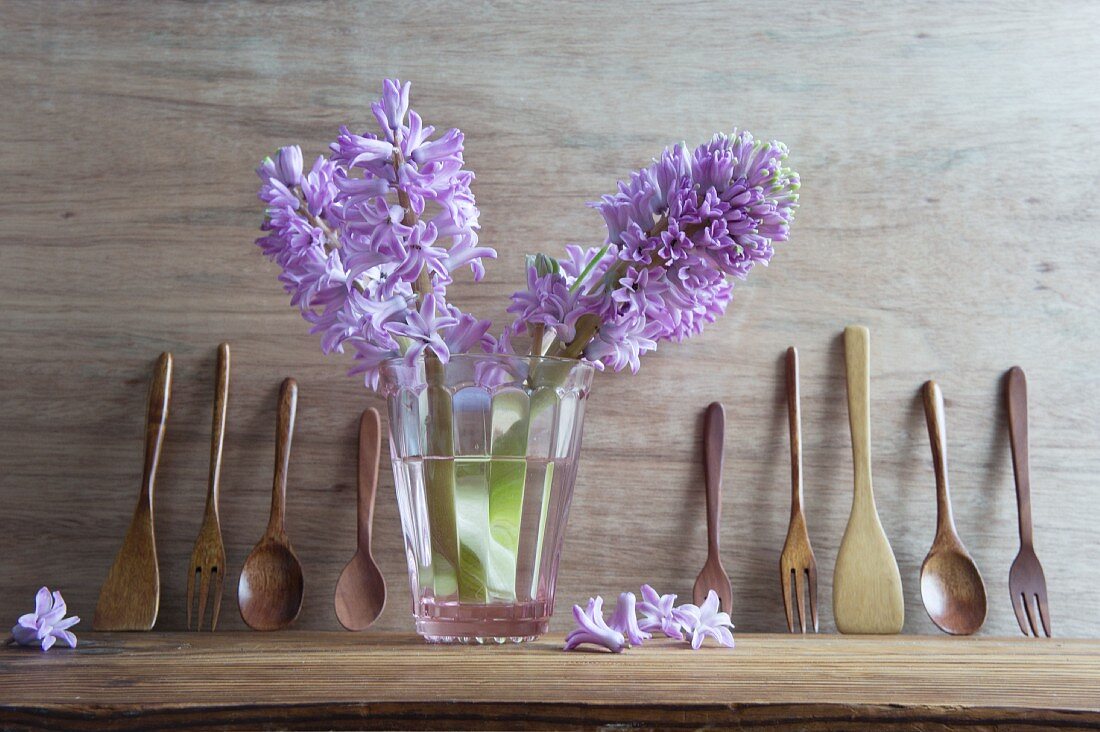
(794, 417)
(1016, 397)
(714, 436)
(370, 452)
(857, 359)
(217, 432)
(937, 437)
(156, 420)
(284, 432)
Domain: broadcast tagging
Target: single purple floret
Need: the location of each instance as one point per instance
(625, 620)
(593, 629)
(47, 623)
(705, 620)
(658, 613)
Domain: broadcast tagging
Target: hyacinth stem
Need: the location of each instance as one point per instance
(589, 325)
(538, 332)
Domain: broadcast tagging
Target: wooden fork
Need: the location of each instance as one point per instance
(1026, 583)
(208, 556)
(796, 562)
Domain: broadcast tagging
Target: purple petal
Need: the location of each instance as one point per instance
(47, 642)
(43, 601)
(66, 636)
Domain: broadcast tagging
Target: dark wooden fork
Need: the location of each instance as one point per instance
(1026, 583)
(208, 556)
(796, 563)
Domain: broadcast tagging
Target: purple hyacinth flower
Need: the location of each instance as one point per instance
(47, 623)
(705, 620)
(593, 629)
(625, 620)
(659, 613)
(288, 165)
(424, 328)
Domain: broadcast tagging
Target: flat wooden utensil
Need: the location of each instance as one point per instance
(272, 586)
(208, 555)
(1026, 583)
(867, 594)
(361, 590)
(797, 565)
(713, 576)
(130, 596)
(950, 584)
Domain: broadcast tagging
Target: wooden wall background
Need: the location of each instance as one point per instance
(949, 158)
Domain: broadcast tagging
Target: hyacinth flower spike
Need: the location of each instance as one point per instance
(592, 629)
(705, 620)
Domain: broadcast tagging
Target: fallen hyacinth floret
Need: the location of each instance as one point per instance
(625, 620)
(702, 620)
(593, 629)
(659, 614)
(46, 624)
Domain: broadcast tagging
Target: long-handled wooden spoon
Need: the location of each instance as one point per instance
(950, 583)
(867, 596)
(272, 586)
(361, 591)
(130, 597)
(713, 576)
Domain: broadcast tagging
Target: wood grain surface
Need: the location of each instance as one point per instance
(951, 203)
(344, 680)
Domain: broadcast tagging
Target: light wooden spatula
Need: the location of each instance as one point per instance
(867, 596)
(130, 596)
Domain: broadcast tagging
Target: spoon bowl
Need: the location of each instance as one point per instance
(360, 593)
(953, 591)
(272, 585)
(361, 590)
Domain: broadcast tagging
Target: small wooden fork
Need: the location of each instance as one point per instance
(208, 556)
(796, 563)
(1026, 583)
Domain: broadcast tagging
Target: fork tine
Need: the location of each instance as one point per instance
(1044, 611)
(811, 579)
(1019, 607)
(800, 592)
(190, 593)
(785, 580)
(219, 580)
(204, 588)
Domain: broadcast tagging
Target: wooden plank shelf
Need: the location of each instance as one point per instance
(373, 681)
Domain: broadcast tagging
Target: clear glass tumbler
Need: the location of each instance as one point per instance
(484, 452)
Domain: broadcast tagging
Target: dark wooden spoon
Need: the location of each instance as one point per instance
(361, 591)
(950, 583)
(272, 586)
(713, 576)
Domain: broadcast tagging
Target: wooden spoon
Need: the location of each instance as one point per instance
(361, 590)
(713, 576)
(950, 583)
(130, 596)
(272, 586)
(867, 596)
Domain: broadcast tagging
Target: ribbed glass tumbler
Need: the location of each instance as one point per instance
(484, 452)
